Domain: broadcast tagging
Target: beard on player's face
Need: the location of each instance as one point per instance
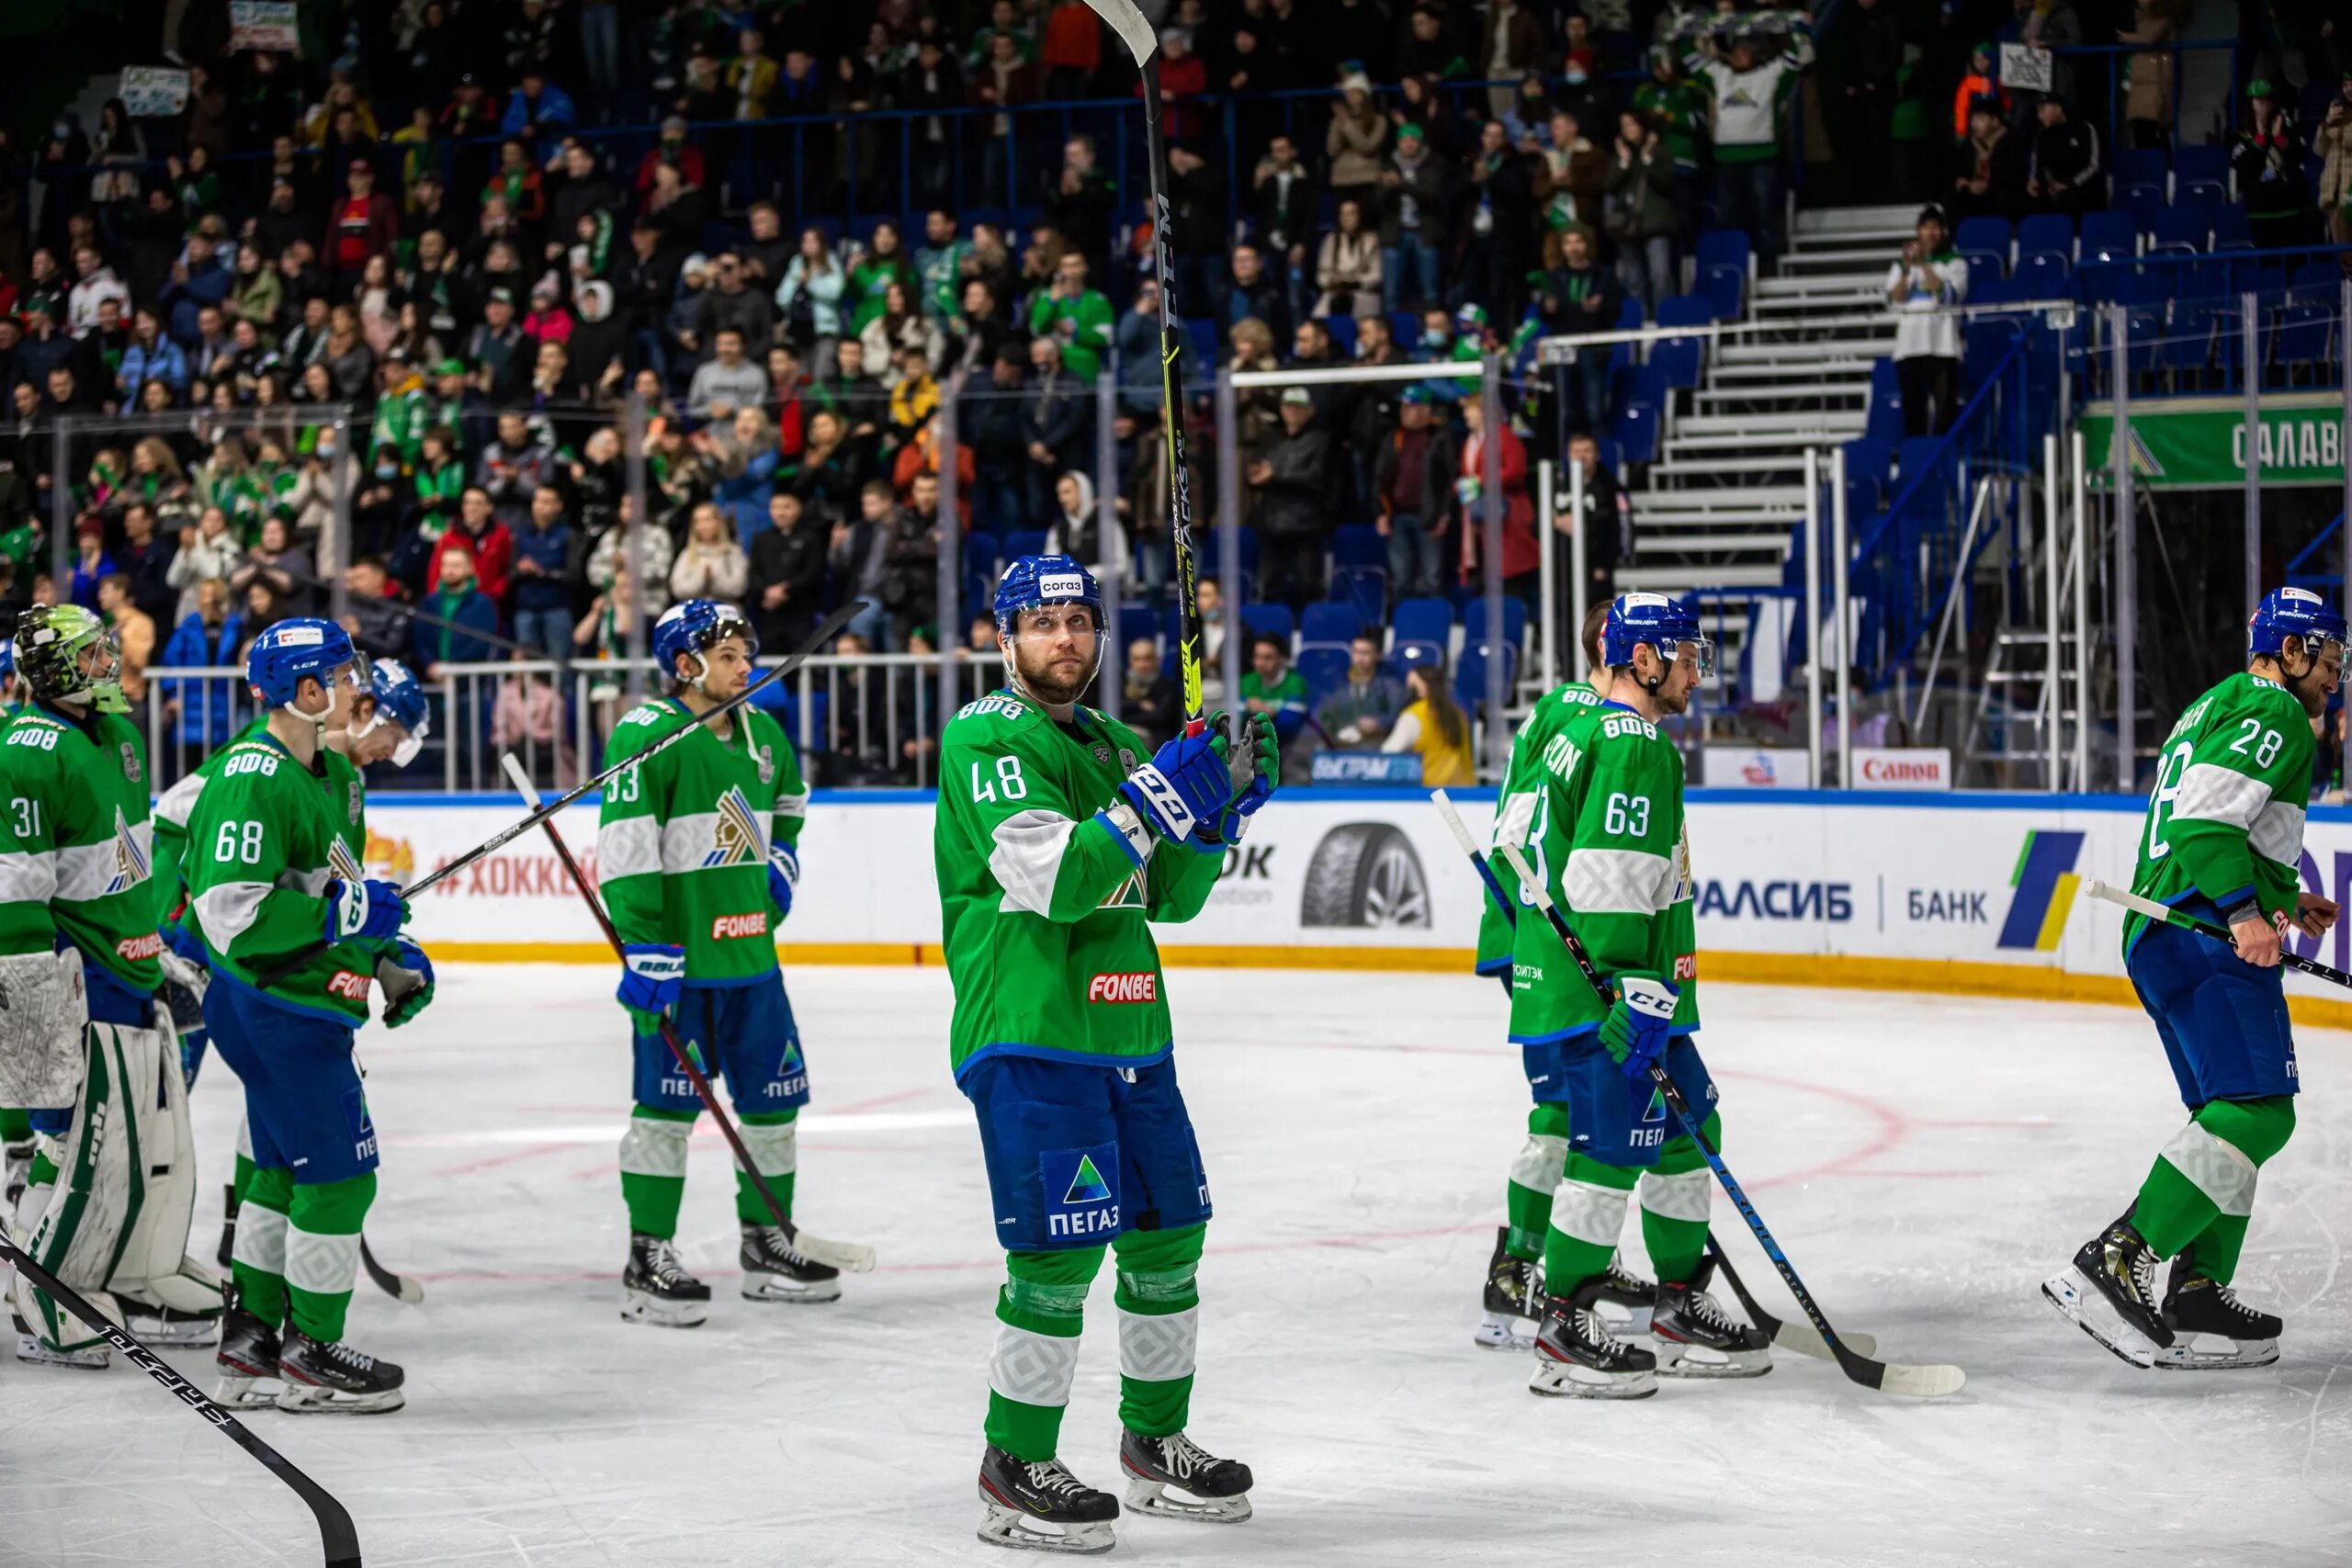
(1054, 664)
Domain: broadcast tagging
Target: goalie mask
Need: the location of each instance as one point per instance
(66, 654)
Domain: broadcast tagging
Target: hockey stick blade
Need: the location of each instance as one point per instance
(851, 1257)
(336, 1535)
(2094, 887)
(1926, 1382)
(398, 1286)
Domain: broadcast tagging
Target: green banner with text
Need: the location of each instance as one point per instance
(2199, 443)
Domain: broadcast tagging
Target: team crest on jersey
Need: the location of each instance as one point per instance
(1103, 755)
(1128, 894)
(131, 864)
(736, 838)
(130, 761)
(344, 863)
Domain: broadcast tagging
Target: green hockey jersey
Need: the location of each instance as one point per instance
(264, 838)
(2226, 820)
(1515, 802)
(682, 845)
(171, 811)
(1046, 881)
(75, 843)
(1605, 834)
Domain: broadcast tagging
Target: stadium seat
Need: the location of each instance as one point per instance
(2045, 233)
(1331, 621)
(1135, 619)
(2232, 229)
(1201, 343)
(1269, 620)
(1613, 454)
(1636, 427)
(1984, 243)
(2146, 203)
(1406, 328)
(2179, 231)
(1362, 590)
(2200, 176)
(1473, 619)
(2186, 347)
(1421, 623)
(2140, 167)
(1212, 543)
(1357, 544)
(1883, 420)
(1024, 542)
(1868, 457)
(979, 554)
(2044, 275)
(1470, 675)
(1343, 334)
(1682, 359)
(2110, 236)
(1720, 271)
(1324, 669)
(2303, 335)
(1981, 350)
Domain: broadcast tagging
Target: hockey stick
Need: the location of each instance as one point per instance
(335, 1532)
(1794, 1336)
(853, 1256)
(267, 977)
(1125, 18)
(1927, 1382)
(392, 1284)
(2188, 923)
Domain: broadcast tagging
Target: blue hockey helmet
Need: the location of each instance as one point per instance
(1032, 580)
(400, 699)
(302, 648)
(2296, 613)
(696, 626)
(1666, 624)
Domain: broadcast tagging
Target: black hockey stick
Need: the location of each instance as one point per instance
(399, 1286)
(1125, 18)
(1794, 1336)
(855, 1258)
(269, 976)
(1894, 1377)
(2132, 901)
(342, 1542)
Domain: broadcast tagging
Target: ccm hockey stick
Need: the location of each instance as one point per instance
(1797, 1337)
(1893, 1377)
(2171, 917)
(1127, 19)
(849, 1255)
(269, 976)
(341, 1542)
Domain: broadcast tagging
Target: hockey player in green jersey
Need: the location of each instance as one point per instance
(697, 849)
(295, 934)
(1057, 839)
(1605, 829)
(16, 1123)
(2222, 841)
(82, 1044)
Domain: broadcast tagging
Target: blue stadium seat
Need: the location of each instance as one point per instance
(1421, 623)
(1324, 669)
(1883, 421)
(1613, 454)
(1868, 457)
(1024, 542)
(979, 554)
(2140, 167)
(1721, 263)
(1212, 543)
(2110, 236)
(1362, 590)
(1722, 247)
(1201, 346)
(1269, 620)
(2201, 174)
(1136, 619)
(1470, 675)
(1984, 243)
(1357, 544)
(2188, 342)
(2179, 229)
(2045, 233)
(1635, 428)
(1682, 359)
(2232, 229)
(2316, 280)
(2146, 203)
(1331, 621)
(1981, 350)
(1343, 334)
(2304, 334)
(2044, 275)
(1916, 454)
(1406, 328)
(1473, 619)
(1991, 291)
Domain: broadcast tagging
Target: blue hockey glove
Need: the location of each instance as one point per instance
(784, 875)
(364, 909)
(406, 976)
(1183, 785)
(1254, 768)
(1635, 1031)
(651, 973)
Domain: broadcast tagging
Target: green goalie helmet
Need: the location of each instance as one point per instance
(66, 654)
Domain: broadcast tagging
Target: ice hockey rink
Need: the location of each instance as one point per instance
(1925, 1160)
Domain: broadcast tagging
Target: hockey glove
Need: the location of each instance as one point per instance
(1635, 1031)
(1253, 770)
(364, 909)
(406, 976)
(784, 875)
(651, 974)
(1183, 785)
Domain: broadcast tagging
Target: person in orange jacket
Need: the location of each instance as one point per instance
(1982, 80)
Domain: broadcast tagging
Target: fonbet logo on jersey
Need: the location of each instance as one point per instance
(1138, 987)
(727, 927)
(1081, 1190)
(346, 984)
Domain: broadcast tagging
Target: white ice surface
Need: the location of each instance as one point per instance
(1925, 1161)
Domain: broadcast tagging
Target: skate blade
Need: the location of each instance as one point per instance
(1697, 1363)
(1146, 1496)
(1011, 1527)
(1624, 1322)
(637, 1307)
(32, 1352)
(1556, 1381)
(236, 1393)
(2200, 1353)
(178, 1331)
(1499, 1332)
(2080, 1301)
(765, 1287)
(308, 1399)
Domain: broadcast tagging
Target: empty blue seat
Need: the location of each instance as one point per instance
(1269, 620)
(2201, 174)
(1635, 428)
(1883, 419)
(1868, 457)
(1362, 590)
(2044, 275)
(979, 554)
(2110, 236)
(2146, 203)
(2045, 233)
(2304, 334)
(1473, 619)
(1357, 544)
(1201, 344)
(1024, 542)
(1685, 310)
(1682, 359)
(1324, 669)
(2139, 165)
(2179, 229)
(1406, 328)
(1343, 334)
(1981, 350)
(2186, 344)
(1984, 243)
(2232, 229)
(1212, 543)
(1470, 675)
(1720, 267)
(1722, 247)
(1329, 622)
(1421, 623)
(1915, 456)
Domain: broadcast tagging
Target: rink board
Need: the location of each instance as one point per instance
(1965, 893)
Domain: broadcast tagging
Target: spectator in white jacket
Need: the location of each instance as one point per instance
(606, 559)
(209, 552)
(1925, 288)
(712, 565)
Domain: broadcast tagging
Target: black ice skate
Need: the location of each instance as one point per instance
(1624, 1291)
(248, 1362)
(323, 1379)
(1511, 1302)
(1216, 1490)
(656, 1288)
(1577, 1357)
(1696, 1338)
(2110, 1293)
(1042, 1508)
(774, 1272)
(227, 1224)
(2213, 1330)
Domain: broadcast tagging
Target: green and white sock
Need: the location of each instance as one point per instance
(322, 1252)
(2200, 1192)
(773, 1142)
(654, 1169)
(1159, 1310)
(1040, 1311)
(1587, 1213)
(1533, 1176)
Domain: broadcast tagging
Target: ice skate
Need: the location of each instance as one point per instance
(656, 1288)
(227, 1224)
(774, 1272)
(1511, 1300)
(323, 1379)
(1577, 1357)
(1043, 1507)
(2109, 1292)
(2213, 1330)
(248, 1362)
(1214, 1491)
(1626, 1300)
(31, 1350)
(1696, 1338)
(158, 1324)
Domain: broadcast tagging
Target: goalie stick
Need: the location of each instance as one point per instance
(855, 1258)
(1125, 18)
(1893, 1377)
(2138, 905)
(267, 977)
(1798, 1338)
(335, 1532)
